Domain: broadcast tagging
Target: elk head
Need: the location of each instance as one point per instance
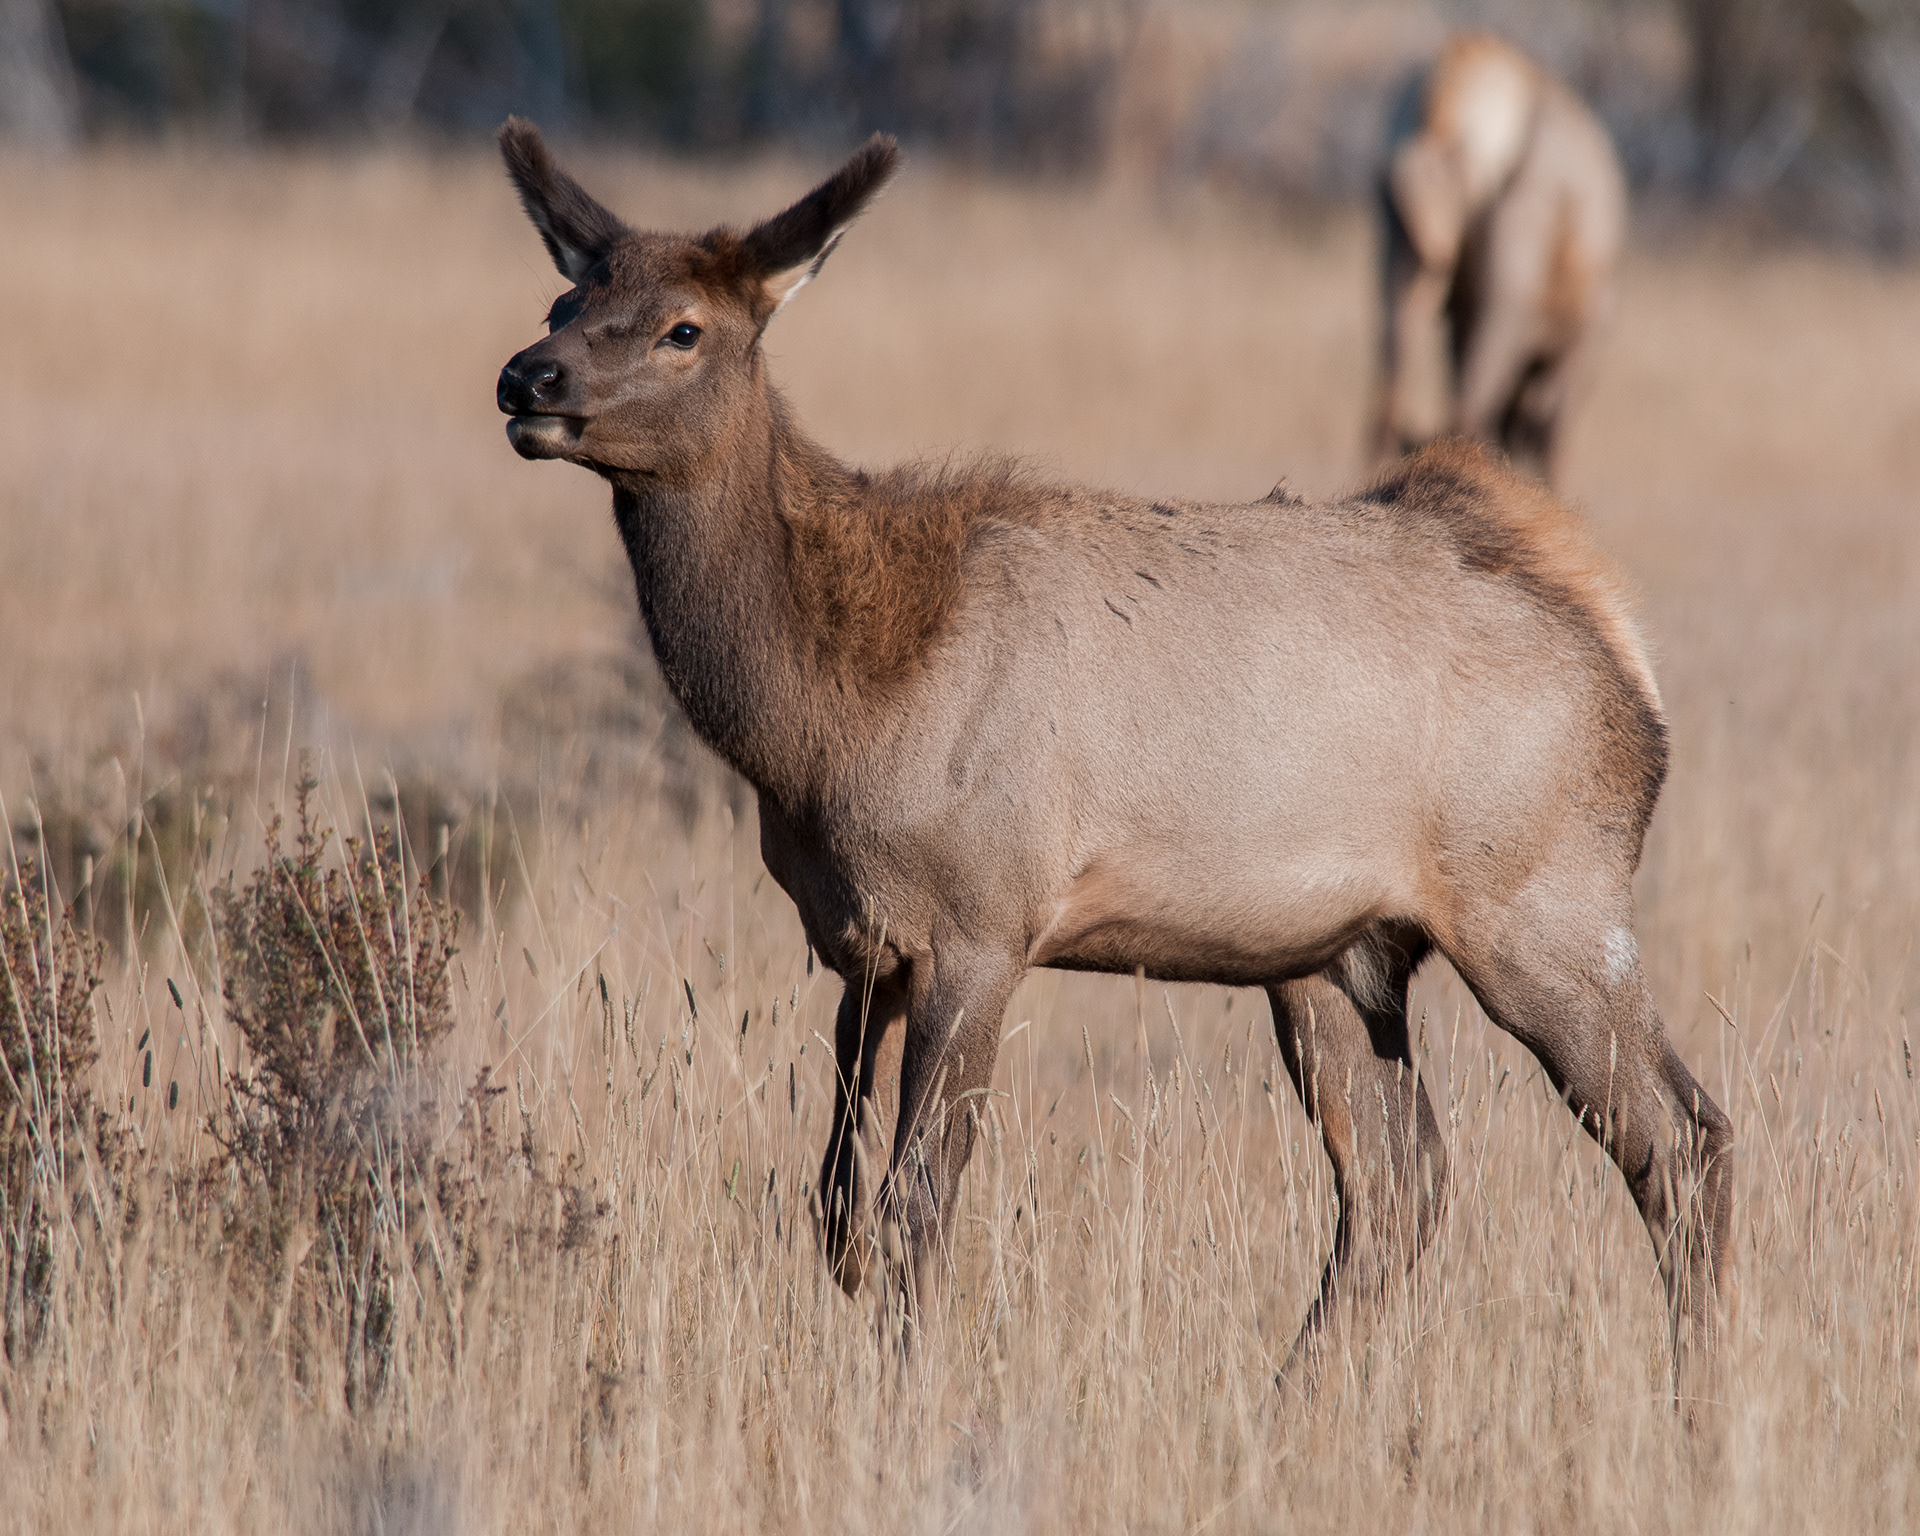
(650, 355)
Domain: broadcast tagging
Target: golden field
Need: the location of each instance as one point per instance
(256, 499)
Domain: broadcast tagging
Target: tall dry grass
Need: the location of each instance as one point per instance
(256, 498)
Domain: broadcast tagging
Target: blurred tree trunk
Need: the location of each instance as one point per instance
(394, 90)
(1712, 28)
(764, 109)
(868, 33)
(1780, 86)
(1754, 77)
(37, 98)
(1888, 60)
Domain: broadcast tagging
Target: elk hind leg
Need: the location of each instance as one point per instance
(1344, 1036)
(1530, 429)
(1529, 426)
(1570, 988)
(1493, 361)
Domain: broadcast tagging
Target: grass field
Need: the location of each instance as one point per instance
(256, 499)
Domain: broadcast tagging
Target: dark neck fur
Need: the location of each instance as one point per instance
(791, 600)
(714, 571)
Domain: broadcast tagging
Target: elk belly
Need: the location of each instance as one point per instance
(1213, 925)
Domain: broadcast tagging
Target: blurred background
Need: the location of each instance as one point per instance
(1807, 110)
(259, 269)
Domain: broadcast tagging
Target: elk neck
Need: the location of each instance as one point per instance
(724, 563)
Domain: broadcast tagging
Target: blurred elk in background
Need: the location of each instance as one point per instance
(1503, 209)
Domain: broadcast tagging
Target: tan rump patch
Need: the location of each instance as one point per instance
(1480, 101)
(1504, 523)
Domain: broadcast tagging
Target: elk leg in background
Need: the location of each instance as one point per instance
(1414, 293)
(1415, 299)
(1493, 365)
(1530, 430)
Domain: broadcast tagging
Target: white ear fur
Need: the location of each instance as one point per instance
(782, 286)
(573, 263)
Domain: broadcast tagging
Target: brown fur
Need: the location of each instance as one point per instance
(1507, 526)
(1514, 529)
(996, 723)
(876, 572)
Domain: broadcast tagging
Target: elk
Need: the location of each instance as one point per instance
(996, 722)
(1503, 209)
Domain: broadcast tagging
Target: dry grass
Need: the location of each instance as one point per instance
(256, 495)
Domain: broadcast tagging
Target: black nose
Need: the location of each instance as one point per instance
(529, 384)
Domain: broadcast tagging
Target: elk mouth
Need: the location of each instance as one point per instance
(543, 436)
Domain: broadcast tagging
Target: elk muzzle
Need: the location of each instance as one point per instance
(536, 391)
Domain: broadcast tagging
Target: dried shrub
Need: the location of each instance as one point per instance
(57, 1148)
(338, 980)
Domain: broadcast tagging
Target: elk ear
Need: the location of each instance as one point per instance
(576, 229)
(783, 254)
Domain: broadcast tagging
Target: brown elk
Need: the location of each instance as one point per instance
(1503, 206)
(997, 723)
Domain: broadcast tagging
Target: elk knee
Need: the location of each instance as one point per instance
(1715, 1133)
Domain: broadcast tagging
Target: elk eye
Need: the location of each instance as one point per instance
(682, 336)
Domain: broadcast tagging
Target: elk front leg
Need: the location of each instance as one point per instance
(867, 1041)
(952, 1037)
